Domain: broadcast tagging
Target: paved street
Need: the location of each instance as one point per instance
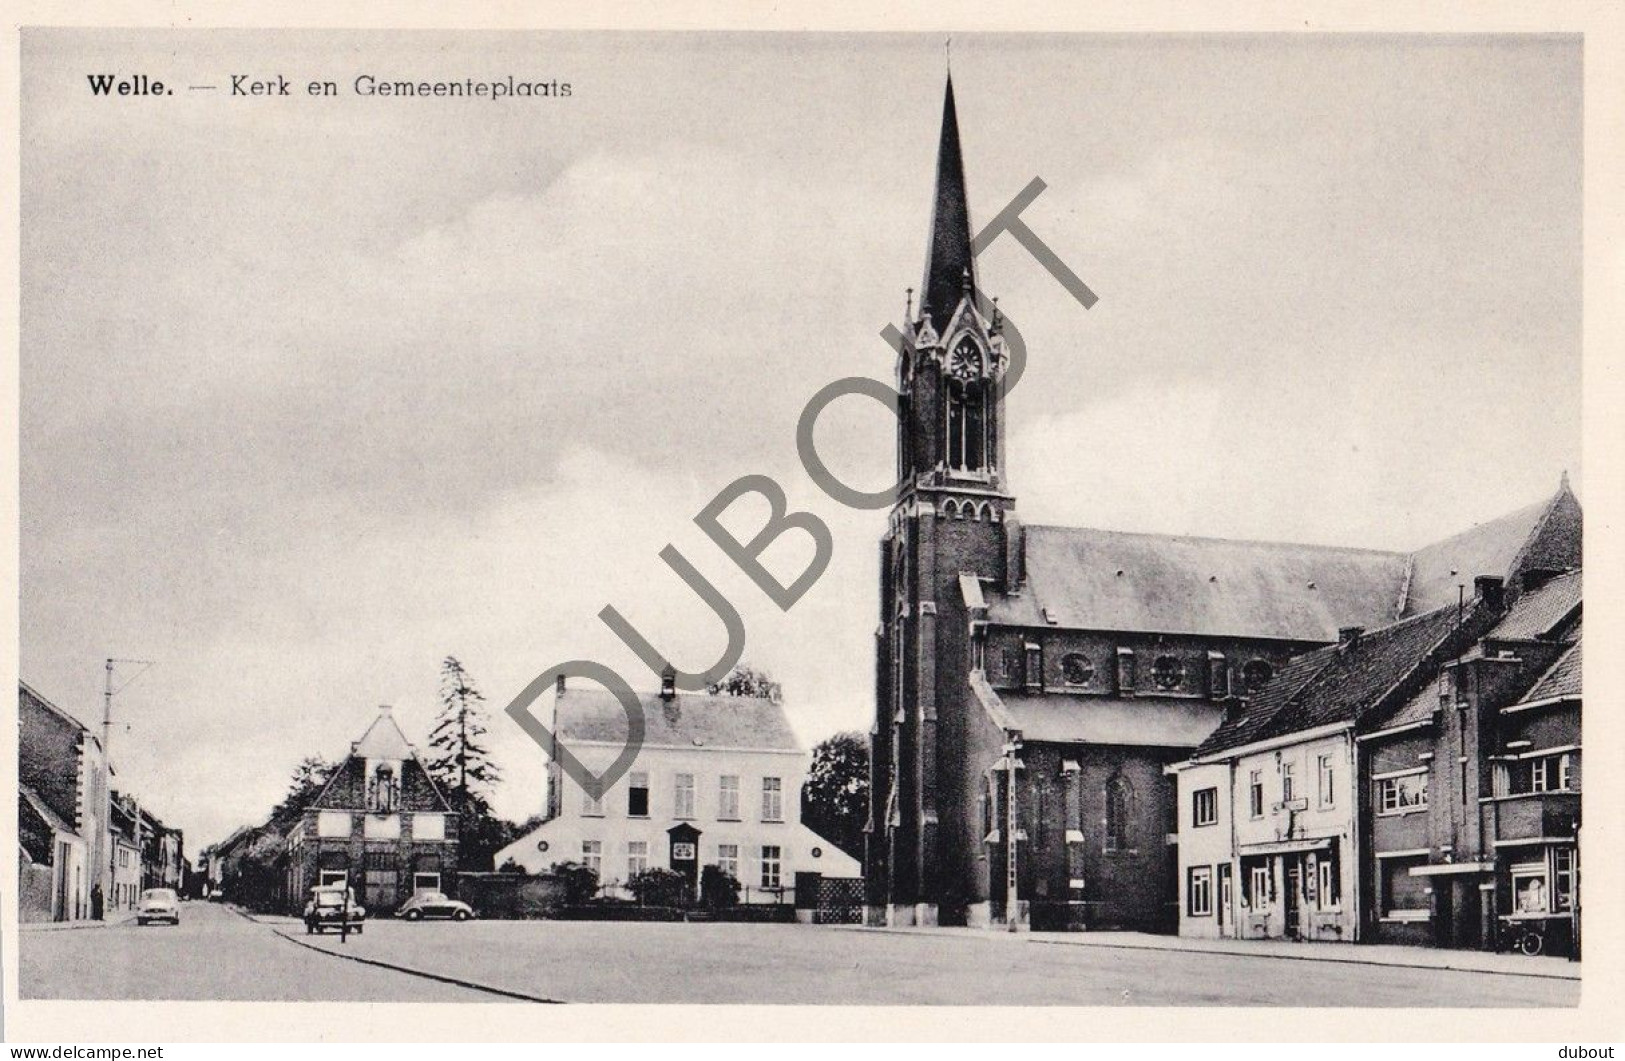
(213, 954)
(218, 954)
(583, 961)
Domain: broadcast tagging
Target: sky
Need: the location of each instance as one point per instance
(317, 392)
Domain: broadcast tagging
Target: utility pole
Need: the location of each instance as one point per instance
(101, 847)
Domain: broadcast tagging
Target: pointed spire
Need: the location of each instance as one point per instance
(950, 267)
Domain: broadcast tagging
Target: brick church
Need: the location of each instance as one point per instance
(1033, 683)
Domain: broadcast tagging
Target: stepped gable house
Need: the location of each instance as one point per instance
(380, 825)
(1060, 669)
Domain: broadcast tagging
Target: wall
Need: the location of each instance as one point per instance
(1207, 845)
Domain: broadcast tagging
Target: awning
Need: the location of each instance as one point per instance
(1285, 847)
(1439, 869)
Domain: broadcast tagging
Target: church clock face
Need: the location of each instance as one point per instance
(966, 363)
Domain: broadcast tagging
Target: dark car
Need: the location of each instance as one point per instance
(434, 904)
(330, 906)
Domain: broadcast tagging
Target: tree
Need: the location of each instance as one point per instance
(309, 777)
(461, 764)
(719, 890)
(745, 680)
(835, 800)
(659, 886)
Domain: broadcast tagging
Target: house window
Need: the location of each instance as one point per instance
(1328, 779)
(334, 876)
(1199, 891)
(592, 806)
(637, 857)
(425, 882)
(1010, 664)
(728, 859)
(1540, 775)
(1077, 670)
(1403, 897)
(1125, 670)
(1529, 890)
(1255, 793)
(1256, 674)
(1563, 878)
(1403, 794)
(1288, 768)
(1167, 672)
(1205, 806)
(772, 799)
(1119, 814)
(592, 855)
(770, 866)
(637, 796)
(684, 797)
(728, 798)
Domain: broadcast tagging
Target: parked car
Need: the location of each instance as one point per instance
(330, 906)
(434, 904)
(158, 904)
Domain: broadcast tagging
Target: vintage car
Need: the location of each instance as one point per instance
(331, 906)
(434, 904)
(158, 904)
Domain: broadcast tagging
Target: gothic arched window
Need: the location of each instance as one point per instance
(967, 425)
(1119, 814)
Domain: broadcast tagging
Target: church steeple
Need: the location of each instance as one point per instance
(950, 267)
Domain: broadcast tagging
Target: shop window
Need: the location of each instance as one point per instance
(1328, 882)
(1404, 897)
(1529, 889)
(1563, 878)
(1257, 886)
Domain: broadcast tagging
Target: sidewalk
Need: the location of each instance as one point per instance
(122, 918)
(1347, 953)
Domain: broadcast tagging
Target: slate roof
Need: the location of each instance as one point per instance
(948, 257)
(1562, 679)
(1114, 580)
(1139, 721)
(1541, 611)
(43, 809)
(690, 720)
(1336, 684)
(1538, 537)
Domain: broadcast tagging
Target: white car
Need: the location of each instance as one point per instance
(158, 904)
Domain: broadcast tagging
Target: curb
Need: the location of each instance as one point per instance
(453, 980)
(72, 926)
(1235, 952)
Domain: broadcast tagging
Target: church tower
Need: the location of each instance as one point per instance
(951, 531)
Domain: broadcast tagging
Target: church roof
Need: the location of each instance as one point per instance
(383, 739)
(949, 261)
(1141, 721)
(1112, 580)
(1539, 537)
(689, 720)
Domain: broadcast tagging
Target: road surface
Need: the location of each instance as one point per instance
(218, 954)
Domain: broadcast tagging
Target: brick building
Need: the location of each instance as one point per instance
(380, 825)
(63, 778)
(1033, 683)
(1474, 785)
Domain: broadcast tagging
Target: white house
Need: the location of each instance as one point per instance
(717, 782)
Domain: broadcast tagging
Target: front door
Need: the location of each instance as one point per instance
(1226, 892)
(1293, 896)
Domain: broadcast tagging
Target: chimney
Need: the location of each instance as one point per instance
(384, 709)
(1348, 637)
(560, 686)
(668, 683)
(1491, 590)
